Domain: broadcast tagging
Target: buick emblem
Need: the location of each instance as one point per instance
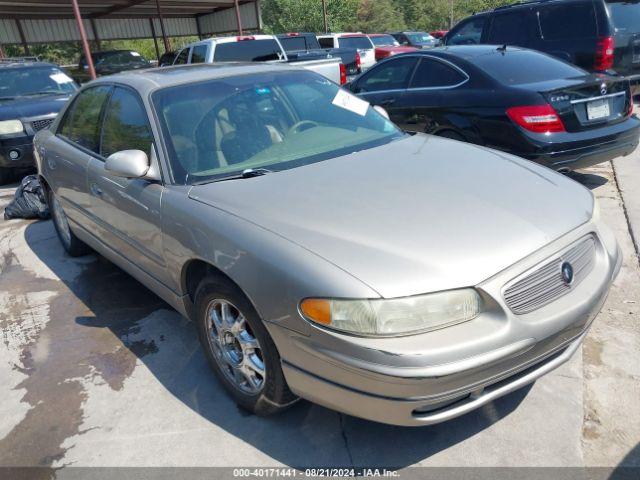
(567, 273)
(603, 89)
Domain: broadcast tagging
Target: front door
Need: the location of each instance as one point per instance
(128, 210)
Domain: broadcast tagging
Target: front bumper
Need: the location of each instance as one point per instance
(433, 377)
(24, 146)
(582, 149)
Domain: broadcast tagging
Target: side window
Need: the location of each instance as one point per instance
(467, 33)
(513, 28)
(125, 126)
(326, 42)
(390, 75)
(568, 21)
(199, 54)
(432, 73)
(182, 57)
(81, 123)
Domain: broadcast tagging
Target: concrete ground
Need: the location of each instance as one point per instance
(97, 371)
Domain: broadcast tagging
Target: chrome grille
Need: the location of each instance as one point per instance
(545, 284)
(38, 125)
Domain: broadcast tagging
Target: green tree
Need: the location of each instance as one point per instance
(378, 16)
(281, 16)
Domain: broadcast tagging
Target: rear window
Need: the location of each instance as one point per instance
(568, 21)
(508, 69)
(625, 15)
(291, 44)
(248, 51)
(362, 43)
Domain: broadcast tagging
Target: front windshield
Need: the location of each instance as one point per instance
(277, 121)
(119, 58)
(25, 81)
(420, 38)
(384, 40)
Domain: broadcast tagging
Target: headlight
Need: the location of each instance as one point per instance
(398, 316)
(11, 126)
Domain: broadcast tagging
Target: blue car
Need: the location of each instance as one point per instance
(31, 95)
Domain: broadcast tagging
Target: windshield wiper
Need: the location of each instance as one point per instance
(248, 173)
(50, 92)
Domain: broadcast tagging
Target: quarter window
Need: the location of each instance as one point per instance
(125, 126)
(82, 121)
(433, 73)
(199, 54)
(390, 75)
(568, 21)
(326, 42)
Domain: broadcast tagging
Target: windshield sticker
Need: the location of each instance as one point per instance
(263, 91)
(350, 102)
(135, 54)
(60, 78)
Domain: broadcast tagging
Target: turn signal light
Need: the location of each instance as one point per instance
(317, 309)
(537, 118)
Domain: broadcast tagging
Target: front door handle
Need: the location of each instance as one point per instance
(387, 102)
(96, 190)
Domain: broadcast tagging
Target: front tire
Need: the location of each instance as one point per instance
(72, 244)
(239, 348)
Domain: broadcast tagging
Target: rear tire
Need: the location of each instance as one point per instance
(239, 349)
(72, 244)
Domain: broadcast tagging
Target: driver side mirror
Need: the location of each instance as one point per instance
(128, 164)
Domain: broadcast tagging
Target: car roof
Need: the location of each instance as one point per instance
(27, 64)
(469, 52)
(151, 79)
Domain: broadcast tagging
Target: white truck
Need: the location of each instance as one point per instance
(260, 48)
(357, 40)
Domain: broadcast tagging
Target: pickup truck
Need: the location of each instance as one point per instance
(259, 48)
(359, 41)
(302, 43)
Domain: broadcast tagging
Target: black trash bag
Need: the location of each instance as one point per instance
(29, 201)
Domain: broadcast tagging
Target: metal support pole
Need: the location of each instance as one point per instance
(96, 37)
(256, 4)
(165, 39)
(198, 29)
(238, 20)
(1, 51)
(23, 39)
(83, 38)
(324, 16)
(155, 38)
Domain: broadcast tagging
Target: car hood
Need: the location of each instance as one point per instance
(416, 215)
(27, 107)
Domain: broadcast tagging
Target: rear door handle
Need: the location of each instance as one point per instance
(389, 101)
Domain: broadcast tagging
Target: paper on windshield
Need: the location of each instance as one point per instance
(135, 54)
(348, 101)
(60, 78)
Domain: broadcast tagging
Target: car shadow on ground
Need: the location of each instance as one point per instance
(589, 180)
(304, 435)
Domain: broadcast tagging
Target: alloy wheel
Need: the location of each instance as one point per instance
(235, 348)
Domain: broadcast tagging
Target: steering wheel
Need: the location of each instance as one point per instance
(302, 125)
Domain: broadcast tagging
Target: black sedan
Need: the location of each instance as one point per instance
(512, 99)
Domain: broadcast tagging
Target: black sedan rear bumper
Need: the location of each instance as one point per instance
(582, 149)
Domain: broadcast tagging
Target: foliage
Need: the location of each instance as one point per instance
(281, 16)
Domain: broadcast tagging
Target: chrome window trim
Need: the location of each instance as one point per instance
(590, 99)
(419, 89)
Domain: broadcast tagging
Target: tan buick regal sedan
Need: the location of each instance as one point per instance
(322, 252)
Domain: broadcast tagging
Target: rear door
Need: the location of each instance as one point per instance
(127, 210)
(569, 31)
(68, 154)
(467, 32)
(386, 85)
